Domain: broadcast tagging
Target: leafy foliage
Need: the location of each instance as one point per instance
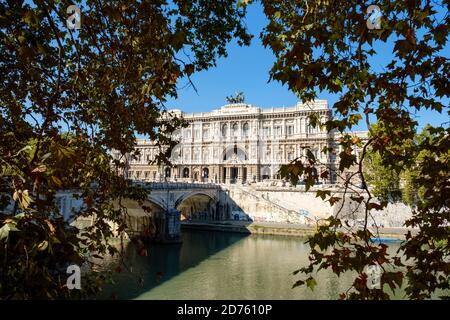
(395, 183)
(326, 45)
(69, 97)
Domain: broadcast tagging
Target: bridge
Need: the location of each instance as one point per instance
(170, 202)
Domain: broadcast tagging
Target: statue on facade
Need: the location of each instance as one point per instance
(237, 98)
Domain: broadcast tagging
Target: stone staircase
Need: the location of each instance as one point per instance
(286, 214)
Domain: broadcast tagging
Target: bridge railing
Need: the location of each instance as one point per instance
(177, 185)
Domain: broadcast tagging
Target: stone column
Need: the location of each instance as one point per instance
(302, 126)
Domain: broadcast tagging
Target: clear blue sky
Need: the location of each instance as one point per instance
(247, 69)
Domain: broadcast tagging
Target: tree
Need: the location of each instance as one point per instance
(331, 45)
(69, 97)
(392, 185)
(383, 181)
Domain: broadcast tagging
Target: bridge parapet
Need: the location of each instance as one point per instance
(177, 185)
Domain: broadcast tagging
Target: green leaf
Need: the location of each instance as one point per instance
(311, 283)
(322, 194)
(6, 229)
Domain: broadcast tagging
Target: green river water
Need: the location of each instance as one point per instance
(219, 265)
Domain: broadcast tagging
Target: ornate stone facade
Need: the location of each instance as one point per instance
(239, 143)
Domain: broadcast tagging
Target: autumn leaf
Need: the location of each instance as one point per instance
(43, 245)
(23, 198)
(39, 169)
(189, 69)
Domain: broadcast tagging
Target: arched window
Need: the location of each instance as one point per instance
(245, 129)
(235, 130)
(224, 130)
(186, 173)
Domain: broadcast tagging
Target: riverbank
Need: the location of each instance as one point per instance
(278, 229)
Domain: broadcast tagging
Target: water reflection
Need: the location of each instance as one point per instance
(215, 265)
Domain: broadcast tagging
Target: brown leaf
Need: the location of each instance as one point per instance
(189, 69)
(39, 169)
(50, 226)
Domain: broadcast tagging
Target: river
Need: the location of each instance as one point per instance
(220, 265)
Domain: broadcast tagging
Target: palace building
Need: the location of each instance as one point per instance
(240, 143)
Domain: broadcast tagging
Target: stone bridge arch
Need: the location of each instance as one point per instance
(197, 205)
(210, 194)
(168, 203)
(140, 222)
(157, 201)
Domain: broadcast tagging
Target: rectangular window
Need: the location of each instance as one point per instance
(290, 130)
(290, 156)
(268, 153)
(333, 157)
(278, 131)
